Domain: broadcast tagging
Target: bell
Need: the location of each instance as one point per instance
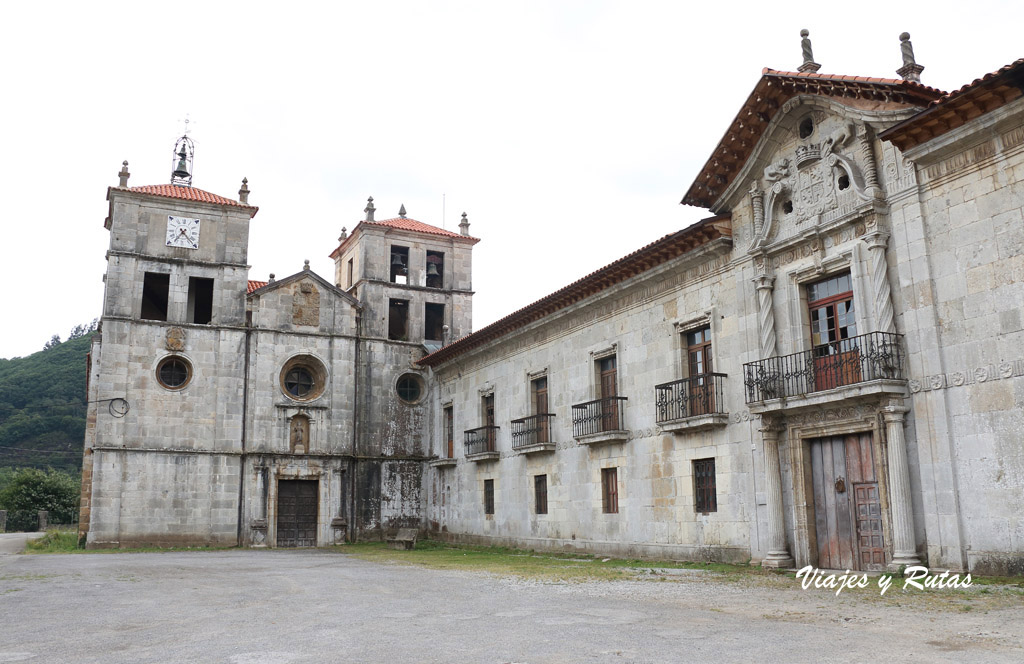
(432, 270)
(182, 170)
(396, 260)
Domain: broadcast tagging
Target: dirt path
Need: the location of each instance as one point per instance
(261, 607)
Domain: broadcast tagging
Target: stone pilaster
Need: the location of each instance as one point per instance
(904, 546)
(877, 242)
(778, 555)
(765, 315)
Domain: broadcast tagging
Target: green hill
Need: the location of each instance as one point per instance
(42, 405)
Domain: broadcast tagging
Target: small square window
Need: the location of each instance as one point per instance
(610, 490)
(705, 500)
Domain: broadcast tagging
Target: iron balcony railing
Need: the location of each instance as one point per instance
(598, 416)
(872, 356)
(701, 394)
(531, 430)
(482, 439)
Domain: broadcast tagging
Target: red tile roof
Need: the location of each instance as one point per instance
(641, 260)
(406, 224)
(768, 96)
(253, 285)
(188, 194)
(981, 96)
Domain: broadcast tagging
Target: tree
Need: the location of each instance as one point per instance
(52, 343)
(31, 490)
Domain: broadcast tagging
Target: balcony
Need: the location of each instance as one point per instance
(865, 365)
(481, 443)
(600, 421)
(691, 404)
(532, 434)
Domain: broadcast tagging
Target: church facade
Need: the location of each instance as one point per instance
(827, 370)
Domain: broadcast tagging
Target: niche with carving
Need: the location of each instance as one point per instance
(298, 434)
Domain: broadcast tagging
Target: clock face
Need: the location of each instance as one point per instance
(182, 232)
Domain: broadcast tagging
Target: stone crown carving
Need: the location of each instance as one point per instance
(805, 154)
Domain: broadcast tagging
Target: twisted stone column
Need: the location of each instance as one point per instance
(904, 546)
(757, 205)
(778, 554)
(765, 315)
(867, 154)
(877, 242)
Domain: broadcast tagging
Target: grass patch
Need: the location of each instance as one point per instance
(54, 541)
(66, 541)
(524, 563)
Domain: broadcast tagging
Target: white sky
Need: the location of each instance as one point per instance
(569, 131)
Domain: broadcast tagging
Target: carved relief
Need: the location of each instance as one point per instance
(306, 304)
(960, 378)
(819, 181)
(831, 415)
(176, 339)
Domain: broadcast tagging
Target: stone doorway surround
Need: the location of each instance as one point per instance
(884, 422)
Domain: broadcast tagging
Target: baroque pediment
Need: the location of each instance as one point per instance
(823, 169)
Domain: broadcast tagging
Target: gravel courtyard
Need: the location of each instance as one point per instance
(255, 607)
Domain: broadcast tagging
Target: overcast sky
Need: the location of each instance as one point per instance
(568, 131)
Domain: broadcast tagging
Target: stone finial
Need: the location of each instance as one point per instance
(401, 211)
(910, 71)
(272, 275)
(464, 225)
(809, 64)
(369, 209)
(123, 175)
(243, 193)
(344, 234)
(305, 265)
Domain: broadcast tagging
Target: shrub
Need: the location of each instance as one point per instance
(31, 490)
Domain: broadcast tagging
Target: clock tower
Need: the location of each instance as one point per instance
(172, 345)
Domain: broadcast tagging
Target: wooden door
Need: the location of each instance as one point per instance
(847, 510)
(698, 359)
(449, 431)
(489, 421)
(540, 408)
(608, 376)
(297, 512)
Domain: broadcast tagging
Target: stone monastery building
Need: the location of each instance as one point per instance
(827, 370)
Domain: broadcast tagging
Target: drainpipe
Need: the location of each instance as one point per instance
(245, 416)
(353, 530)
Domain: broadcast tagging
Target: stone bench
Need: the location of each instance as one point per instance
(404, 540)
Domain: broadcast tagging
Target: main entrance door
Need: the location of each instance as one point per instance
(296, 512)
(847, 511)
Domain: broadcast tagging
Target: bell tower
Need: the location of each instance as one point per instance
(414, 279)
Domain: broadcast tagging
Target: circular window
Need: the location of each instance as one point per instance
(303, 378)
(409, 388)
(174, 372)
(298, 382)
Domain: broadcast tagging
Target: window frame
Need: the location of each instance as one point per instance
(705, 486)
(610, 490)
(489, 497)
(316, 370)
(540, 494)
(165, 361)
(448, 430)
